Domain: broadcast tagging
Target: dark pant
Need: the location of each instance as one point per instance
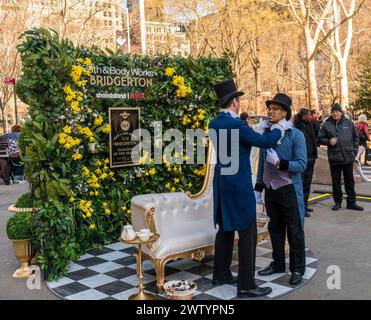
(347, 170)
(307, 180)
(366, 155)
(283, 211)
(246, 255)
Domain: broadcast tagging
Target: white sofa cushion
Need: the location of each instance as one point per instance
(188, 235)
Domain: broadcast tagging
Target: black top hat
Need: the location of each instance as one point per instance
(226, 91)
(282, 100)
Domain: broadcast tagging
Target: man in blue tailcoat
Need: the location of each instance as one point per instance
(233, 194)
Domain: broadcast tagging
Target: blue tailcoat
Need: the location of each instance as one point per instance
(234, 193)
(292, 148)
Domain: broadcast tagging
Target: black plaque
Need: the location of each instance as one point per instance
(123, 122)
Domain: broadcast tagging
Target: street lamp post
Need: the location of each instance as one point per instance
(11, 81)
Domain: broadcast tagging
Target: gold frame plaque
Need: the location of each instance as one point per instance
(120, 127)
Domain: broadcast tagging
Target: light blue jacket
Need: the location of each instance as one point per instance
(293, 149)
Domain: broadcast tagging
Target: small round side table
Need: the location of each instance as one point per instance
(141, 295)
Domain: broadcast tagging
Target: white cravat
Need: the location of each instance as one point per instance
(232, 113)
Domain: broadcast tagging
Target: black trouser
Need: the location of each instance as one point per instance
(246, 255)
(347, 170)
(366, 155)
(307, 180)
(283, 211)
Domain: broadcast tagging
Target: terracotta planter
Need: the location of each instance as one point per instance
(23, 252)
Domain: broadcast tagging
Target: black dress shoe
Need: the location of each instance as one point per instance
(307, 214)
(253, 293)
(308, 209)
(231, 280)
(354, 206)
(336, 207)
(268, 271)
(296, 278)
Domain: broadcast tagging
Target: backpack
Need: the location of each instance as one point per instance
(362, 136)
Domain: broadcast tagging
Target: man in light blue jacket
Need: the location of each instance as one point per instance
(279, 174)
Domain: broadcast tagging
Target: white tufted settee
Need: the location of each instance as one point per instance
(183, 221)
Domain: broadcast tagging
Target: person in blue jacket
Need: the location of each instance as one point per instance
(233, 194)
(279, 172)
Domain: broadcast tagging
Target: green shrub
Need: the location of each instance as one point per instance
(26, 200)
(19, 226)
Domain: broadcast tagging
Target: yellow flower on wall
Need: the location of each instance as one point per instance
(76, 156)
(98, 120)
(92, 226)
(107, 129)
(178, 81)
(169, 71)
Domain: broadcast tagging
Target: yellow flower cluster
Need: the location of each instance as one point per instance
(85, 131)
(101, 173)
(107, 211)
(197, 118)
(76, 156)
(74, 97)
(85, 171)
(169, 71)
(85, 207)
(67, 141)
(186, 120)
(183, 91)
(178, 81)
(98, 120)
(151, 172)
(107, 129)
(125, 209)
(93, 181)
(144, 158)
(169, 187)
(84, 67)
(200, 172)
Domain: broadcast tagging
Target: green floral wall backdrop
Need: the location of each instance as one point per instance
(83, 203)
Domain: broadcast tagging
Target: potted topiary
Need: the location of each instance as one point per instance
(25, 203)
(19, 231)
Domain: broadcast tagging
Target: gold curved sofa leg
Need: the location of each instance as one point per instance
(159, 265)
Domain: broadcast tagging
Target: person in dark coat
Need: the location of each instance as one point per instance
(304, 124)
(315, 122)
(340, 136)
(233, 195)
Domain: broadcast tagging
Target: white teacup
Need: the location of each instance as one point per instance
(144, 236)
(145, 231)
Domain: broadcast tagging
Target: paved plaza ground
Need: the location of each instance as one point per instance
(339, 238)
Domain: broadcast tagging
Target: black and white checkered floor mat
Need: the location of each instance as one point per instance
(110, 273)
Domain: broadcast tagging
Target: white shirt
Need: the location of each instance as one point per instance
(232, 113)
